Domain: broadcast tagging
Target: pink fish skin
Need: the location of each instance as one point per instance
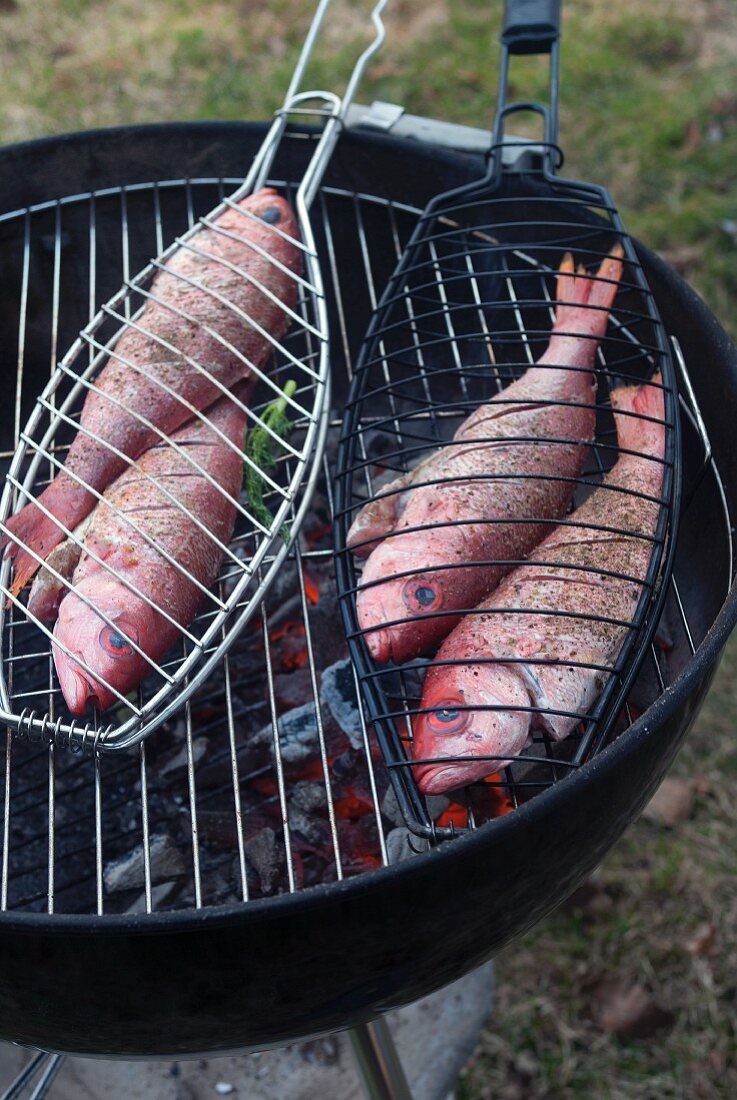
(513, 631)
(414, 583)
(106, 650)
(142, 361)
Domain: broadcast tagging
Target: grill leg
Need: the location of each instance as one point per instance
(49, 1063)
(378, 1063)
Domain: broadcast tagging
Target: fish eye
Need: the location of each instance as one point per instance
(418, 595)
(447, 718)
(115, 643)
(272, 216)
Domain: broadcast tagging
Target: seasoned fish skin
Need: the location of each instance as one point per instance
(150, 374)
(449, 528)
(562, 606)
(166, 527)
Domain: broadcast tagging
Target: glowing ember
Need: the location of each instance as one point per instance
(454, 815)
(318, 533)
(312, 589)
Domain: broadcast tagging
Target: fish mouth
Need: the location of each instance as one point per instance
(442, 777)
(79, 692)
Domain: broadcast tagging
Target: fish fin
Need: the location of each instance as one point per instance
(30, 530)
(632, 404)
(584, 300)
(377, 518)
(48, 591)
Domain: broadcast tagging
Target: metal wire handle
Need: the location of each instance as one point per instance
(530, 27)
(334, 110)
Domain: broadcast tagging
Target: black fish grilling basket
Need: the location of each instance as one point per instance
(468, 309)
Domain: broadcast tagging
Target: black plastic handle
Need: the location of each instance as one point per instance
(530, 26)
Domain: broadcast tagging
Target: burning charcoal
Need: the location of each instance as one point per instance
(401, 844)
(297, 734)
(293, 689)
(218, 829)
(346, 765)
(307, 797)
(307, 816)
(174, 764)
(290, 646)
(318, 535)
(216, 770)
(359, 845)
(221, 890)
(390, 807)
(159, 895)
(127, 873)
(353, 800)
(264, 857)
(379, 444)
(338, 693)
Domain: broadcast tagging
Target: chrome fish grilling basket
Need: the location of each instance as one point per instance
(296, 374)
(469, 308)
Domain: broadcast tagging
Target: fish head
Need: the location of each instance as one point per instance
(470, 724)
(105, 635)
(269, 207)
(400, 611)
(399, 616)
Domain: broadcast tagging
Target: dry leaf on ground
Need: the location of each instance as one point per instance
(671, 804)
(626, 1009)
(704, 940)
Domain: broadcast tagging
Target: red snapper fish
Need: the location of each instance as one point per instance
(514, 458)
(146, 536)
(514, 631)
(206, 325)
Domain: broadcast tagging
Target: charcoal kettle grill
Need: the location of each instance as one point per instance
(217, 962)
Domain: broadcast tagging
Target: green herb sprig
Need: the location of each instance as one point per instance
(261, 449)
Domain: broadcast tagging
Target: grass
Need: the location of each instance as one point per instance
(648, 105)
(649, 108)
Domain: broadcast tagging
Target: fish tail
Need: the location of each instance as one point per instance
(584, 300)
(639, 412)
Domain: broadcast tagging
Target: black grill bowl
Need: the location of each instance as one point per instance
(273, 970)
